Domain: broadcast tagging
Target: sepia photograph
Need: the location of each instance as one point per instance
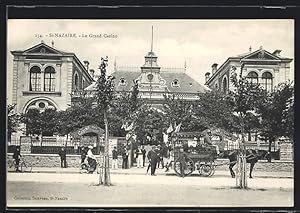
(150, 113)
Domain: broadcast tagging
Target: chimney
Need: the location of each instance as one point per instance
(207, 76)
(277, 53)
(92, 73)
(214, 68)
(86, 65)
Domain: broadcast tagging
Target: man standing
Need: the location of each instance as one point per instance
(125, 159)
(63, 155)
(153, 159)
(139, 157)
(181, 159)
(115, 158)
(16, 157)
(144, 155)
(164, 155)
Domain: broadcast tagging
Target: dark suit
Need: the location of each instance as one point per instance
(62, 154)
(153, 159)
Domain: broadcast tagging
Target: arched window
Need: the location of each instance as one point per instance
(82, 84)
(267, 81)
(252, 77)
(35, 79)
(225, 85)
(76, 81)
(49, 79)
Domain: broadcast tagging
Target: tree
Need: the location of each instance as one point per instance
(104, 97)
(41, 123)
(33, 121)
(178, 110)
(12, 120)
(79, 115)
(277, 114)
(125, 108)
(244, 99)
(214, 109)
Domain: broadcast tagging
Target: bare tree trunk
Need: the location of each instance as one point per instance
(242, 165)
(106, 173)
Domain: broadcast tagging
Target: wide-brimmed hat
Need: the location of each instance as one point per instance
(90, 147)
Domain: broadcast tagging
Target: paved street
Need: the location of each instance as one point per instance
(69, 189)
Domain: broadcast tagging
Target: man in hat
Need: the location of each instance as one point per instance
(63, 155)
(115, 158)
(207, 141)
(139, 157)
(91, 159)
(83, 154)
(153, 159)
(16, 157)
(125, 155)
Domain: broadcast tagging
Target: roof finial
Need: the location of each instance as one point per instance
(152, 40)
(185, 65)
(52, 44)
(261, 47)
(42, 41)
(250, 49)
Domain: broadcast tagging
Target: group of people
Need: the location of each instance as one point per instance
(159, 155)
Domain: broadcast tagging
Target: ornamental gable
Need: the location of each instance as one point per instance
(42, 49)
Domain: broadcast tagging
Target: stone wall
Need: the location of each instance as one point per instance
(262, 165)
(53, 160)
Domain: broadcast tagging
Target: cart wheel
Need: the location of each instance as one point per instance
(189, 168)
(207, 170)
(26, 167)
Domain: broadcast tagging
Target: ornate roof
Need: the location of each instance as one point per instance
(186, 84)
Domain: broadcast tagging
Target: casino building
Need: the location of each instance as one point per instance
(44, 77)
(155, 81)
(260, 66)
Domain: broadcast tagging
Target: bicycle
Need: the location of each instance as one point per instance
(23, 165)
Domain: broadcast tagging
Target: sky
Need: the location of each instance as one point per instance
(199, 43)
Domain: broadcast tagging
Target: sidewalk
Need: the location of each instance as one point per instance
(142, 171)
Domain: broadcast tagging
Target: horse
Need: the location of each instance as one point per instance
(252, 156)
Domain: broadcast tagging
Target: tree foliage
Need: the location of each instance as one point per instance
(277, 113)
(214, 109)
(40, 123)
(245, 100)
(81, 114)
(12, 120)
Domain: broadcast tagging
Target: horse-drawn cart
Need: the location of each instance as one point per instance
(198, 156)
(201, 159)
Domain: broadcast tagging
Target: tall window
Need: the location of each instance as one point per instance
(225, 85)
(252, 77)
(35, 79)
(76, 82)
(49, 79)
(82, 84)
(267, 81)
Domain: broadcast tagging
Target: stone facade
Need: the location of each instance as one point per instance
(44, 77)
(260, 66)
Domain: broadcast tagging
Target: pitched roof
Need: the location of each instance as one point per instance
(187, 84)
